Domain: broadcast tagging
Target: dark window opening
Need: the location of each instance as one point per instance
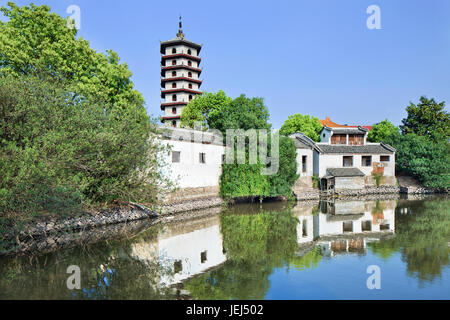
(304, 230)
(304, 163)
(366, 161)
(202, 157)
(174, 50)
(347, 161)
(174, 85)
(174, 97)
(174, 62)
(366, 225)
(190, 85)
(190, 74)
(190, 63)
(177, 266)
(174, 73)
(347, 226)
(203, 257)
(174, 123)
(174, 110)
(384, 158)
(384, 226)
(189, 51)
(176, 156)
(190, 97)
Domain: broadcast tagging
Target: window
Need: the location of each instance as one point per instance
(174, 123)
(339, 139)
(190, 85)
(366, 225)
(223, 158)
(174, 73)
(174, 110)
(347, 161)
(176, 156)
(202, 157)
(189, 51)
(347, 226)
(356, 139)
(384, 158)
(366, 161)
(190, 97)
(203, 257)
(174, 85)
(304, 163)
(190, 74)
(174, 97)
(174, 50)
(384, 226)
(189, 63)
(174, 62)
(304, 230)
(177, 266)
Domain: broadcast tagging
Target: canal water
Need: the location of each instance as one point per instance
(380, 249)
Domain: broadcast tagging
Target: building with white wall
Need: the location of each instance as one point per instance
(180, 76)
(343, 159)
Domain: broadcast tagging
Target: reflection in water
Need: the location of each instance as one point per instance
(240, 253)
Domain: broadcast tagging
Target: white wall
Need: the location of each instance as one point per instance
(189, 172)
(309, 162)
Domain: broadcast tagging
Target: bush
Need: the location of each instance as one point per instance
(59, 150)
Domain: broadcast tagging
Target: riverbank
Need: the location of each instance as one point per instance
(53, 233)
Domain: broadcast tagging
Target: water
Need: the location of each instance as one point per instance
(273, 251)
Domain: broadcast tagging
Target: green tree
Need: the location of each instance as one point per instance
(60, 151)
(306, 124)
(427, 118)
(381, 131)
(423, 158)
(35, 40)
(199, 109)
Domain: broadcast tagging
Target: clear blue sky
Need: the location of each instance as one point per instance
(309, 57)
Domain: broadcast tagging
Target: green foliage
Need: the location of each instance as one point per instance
(281, 183)
(306, 124)
(35, 40)
(59, 150)
(199, 109)
(421, 238)
(382, 131)
(428, 119)
(423, 158)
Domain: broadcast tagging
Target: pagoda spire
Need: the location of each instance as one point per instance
(180, 33)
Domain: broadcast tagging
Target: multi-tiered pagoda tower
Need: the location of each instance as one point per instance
(180, 74)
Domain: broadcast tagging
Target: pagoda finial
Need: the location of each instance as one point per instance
(180, 33)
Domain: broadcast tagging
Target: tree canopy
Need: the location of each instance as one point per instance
(34, 40)
(306, 124)
(427, 118)
(382, 131)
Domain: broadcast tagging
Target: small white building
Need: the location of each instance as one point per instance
(345, 160)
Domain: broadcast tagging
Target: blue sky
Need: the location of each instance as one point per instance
(310, 57)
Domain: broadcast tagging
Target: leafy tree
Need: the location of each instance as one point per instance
(427, 118)
(60, 151)
(199, 109)
(381, 131)
(35, 40)
(306, 124)
(423, 158)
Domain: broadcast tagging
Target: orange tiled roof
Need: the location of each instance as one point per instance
(330, 124)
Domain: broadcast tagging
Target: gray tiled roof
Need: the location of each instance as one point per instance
(365, 149)
(345, 172)
(347, 131)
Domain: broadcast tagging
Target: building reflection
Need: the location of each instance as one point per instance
(184, 249)
(344, 226)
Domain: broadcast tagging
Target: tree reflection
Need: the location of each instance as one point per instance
(422, 237)
(255, 245)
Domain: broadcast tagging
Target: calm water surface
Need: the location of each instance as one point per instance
(274, 251)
